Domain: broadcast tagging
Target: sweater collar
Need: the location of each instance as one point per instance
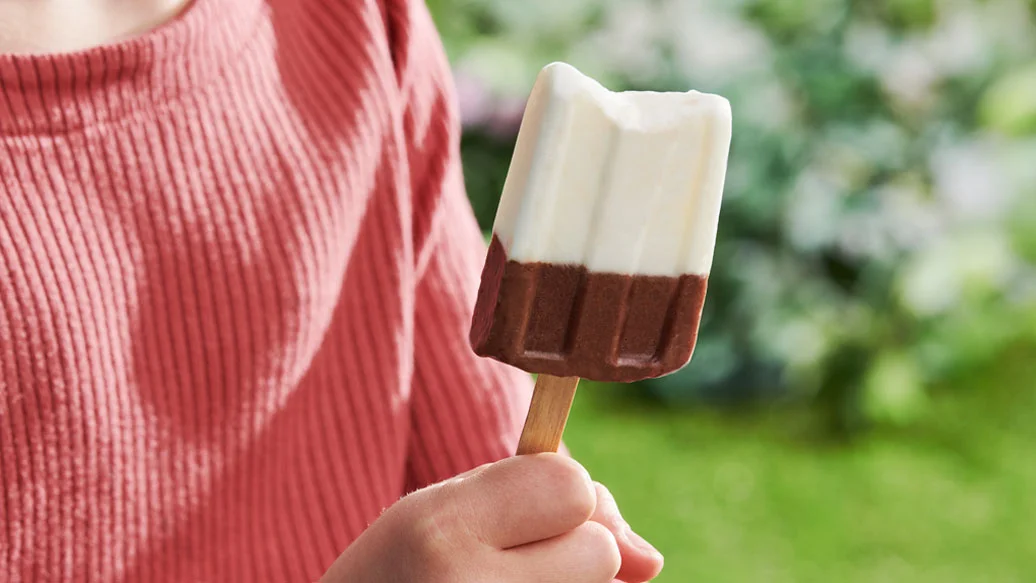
(60, 92)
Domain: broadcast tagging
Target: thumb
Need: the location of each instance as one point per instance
(640, 561)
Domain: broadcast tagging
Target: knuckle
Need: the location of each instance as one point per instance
(573, 486)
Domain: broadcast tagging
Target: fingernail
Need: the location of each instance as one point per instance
(638, 541)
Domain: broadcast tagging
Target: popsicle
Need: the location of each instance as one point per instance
(603, 241)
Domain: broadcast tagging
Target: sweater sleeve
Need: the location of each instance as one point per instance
(465, 410)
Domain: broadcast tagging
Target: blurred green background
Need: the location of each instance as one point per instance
(862, 402)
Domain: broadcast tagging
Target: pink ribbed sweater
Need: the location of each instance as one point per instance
(236, 273)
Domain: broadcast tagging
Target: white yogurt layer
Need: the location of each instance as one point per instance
(627, 182)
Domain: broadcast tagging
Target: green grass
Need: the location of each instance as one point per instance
(761, 497)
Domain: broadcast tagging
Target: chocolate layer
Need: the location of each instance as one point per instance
(567, 321)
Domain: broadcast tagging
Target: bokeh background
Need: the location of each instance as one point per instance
(862, 402)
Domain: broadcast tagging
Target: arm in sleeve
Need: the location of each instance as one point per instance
(465, 410)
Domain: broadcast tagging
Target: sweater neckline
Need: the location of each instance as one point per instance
(65, 91)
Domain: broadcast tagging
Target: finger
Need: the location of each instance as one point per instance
(520, 500)
(640, 561)
(465, 475)
(432, 489)
(587, 554)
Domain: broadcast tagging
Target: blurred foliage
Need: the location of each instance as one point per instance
(878, 233)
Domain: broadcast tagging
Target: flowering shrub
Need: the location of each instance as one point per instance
(878, 235)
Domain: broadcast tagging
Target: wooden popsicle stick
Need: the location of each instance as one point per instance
(548, 412)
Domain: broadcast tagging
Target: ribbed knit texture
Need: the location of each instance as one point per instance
(236, 273)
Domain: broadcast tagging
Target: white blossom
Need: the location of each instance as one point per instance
(712, 44)
(969, 179)
(814, 209)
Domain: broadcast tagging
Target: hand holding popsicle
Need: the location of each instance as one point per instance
(529, 518)
(604, 239)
